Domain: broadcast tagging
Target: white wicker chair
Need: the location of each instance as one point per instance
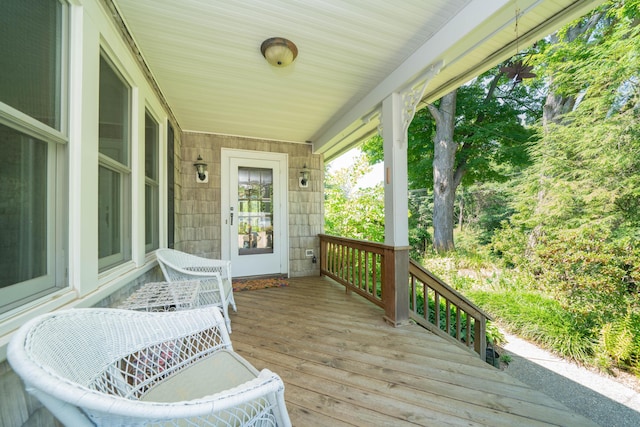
(100, 367)
(180, 266)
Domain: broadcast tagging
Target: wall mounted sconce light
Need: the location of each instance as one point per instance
(279, 51)
(202, 175)
(304, 177)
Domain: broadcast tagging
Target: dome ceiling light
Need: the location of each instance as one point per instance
(279, 51)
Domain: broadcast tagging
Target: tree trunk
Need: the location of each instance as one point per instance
(444, 184)
(446, 174)
(461, 208)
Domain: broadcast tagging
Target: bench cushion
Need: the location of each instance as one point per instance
(219, 372)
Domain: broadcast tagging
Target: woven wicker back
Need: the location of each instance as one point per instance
(122, 352)
(177, 265)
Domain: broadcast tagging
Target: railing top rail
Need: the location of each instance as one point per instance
(447, 291)
(357, 242)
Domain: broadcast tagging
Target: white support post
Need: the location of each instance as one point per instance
(396, 210)
(398, 110)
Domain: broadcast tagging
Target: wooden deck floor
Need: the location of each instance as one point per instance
(343, 365)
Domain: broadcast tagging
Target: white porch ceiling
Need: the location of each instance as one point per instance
(205, 57)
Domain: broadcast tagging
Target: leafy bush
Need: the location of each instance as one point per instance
(592, 272)
(619, 343)
(509, 244)
(542, 319)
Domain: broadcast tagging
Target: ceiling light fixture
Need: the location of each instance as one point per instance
(279, 51)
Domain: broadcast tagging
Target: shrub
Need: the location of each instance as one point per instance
(619, 343)
(592, 272)
(542, 319)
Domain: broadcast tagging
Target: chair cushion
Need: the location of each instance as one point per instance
(218, 372)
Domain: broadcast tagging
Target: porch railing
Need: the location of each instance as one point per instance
(444, 311)
(367, 268)
(362, 267)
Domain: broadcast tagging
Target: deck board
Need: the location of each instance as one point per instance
(343, 365)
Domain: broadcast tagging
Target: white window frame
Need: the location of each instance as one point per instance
(125, 173)
(14, 297)
(152, 219)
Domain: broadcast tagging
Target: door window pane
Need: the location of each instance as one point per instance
(255, 211)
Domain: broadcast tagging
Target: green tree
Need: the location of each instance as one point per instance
(585, 160)
(576, 207)
(466, 137)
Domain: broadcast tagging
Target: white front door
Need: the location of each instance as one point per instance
(254, 222)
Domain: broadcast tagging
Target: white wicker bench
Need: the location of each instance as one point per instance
(122, 367)
(214, 276)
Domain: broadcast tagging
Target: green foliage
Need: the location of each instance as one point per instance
(619, 343)
(558, 203)
(489, 132)
(592, 272)
(351, 211)
(494, 335)
(490, 138)
(575, 216)
(420, 209)
(541, 319)
(506, 358)
(596, 55)
(486, 207)
(510, 244)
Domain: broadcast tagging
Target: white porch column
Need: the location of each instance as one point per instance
(396, 209)
(398, 110)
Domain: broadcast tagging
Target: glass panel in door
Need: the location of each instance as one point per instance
(255, 211)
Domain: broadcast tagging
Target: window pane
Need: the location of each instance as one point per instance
(255, 211)
(114, 115)
(23, 207)
(152, 215)
(109, 214)
(150, 147)
(30, 57)
(170, 187)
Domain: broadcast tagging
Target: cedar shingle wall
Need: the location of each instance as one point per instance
(198, 213)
